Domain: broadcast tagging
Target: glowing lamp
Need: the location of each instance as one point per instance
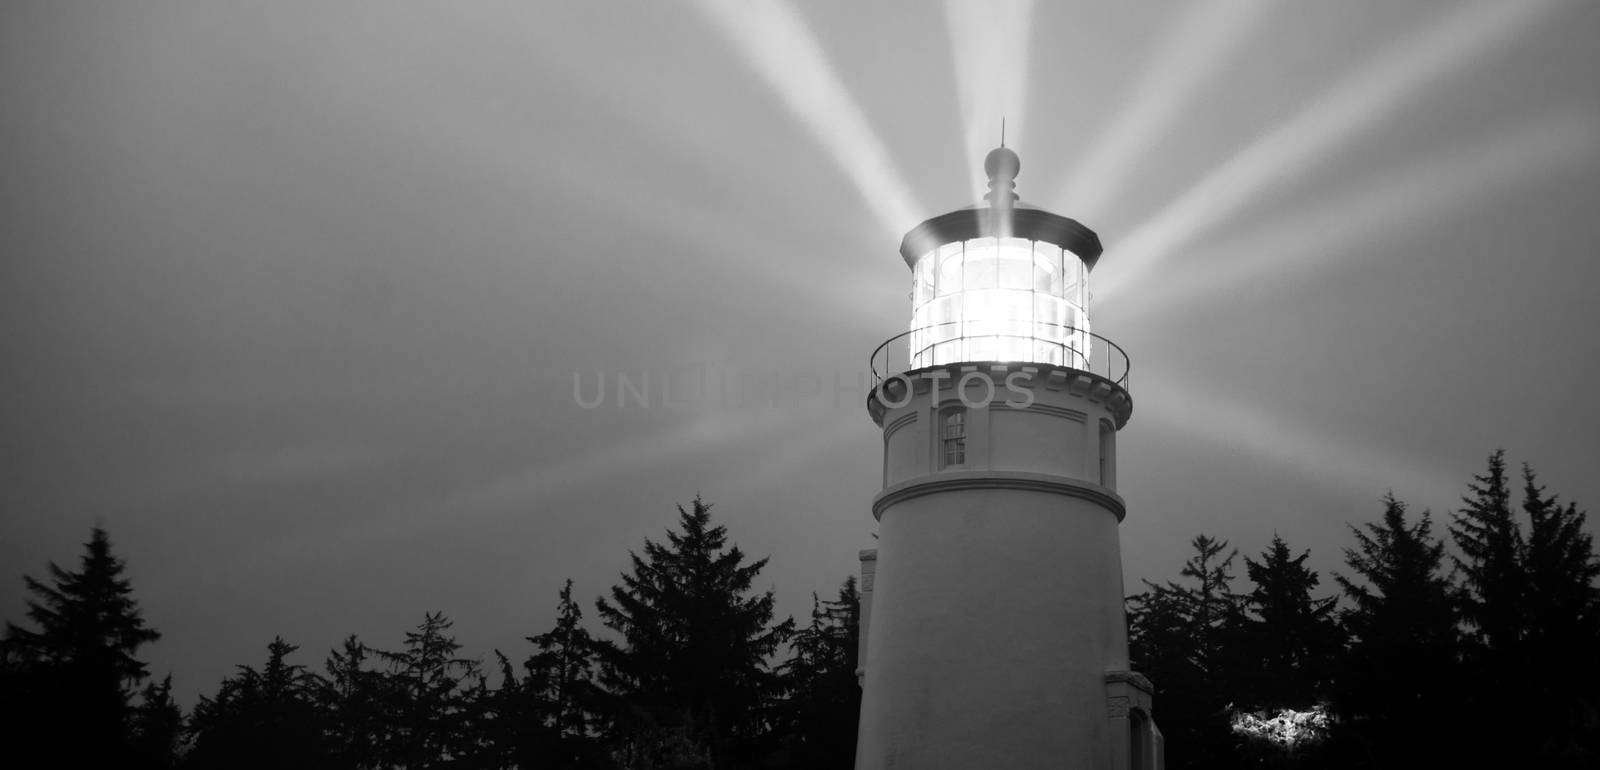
(1000, 282)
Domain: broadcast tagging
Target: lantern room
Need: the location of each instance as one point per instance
(1000, 281)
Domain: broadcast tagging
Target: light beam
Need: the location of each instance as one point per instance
(989, 48)
(520, 489)
(826, 431)
(1462, 176)
(773, 37)
(1314, 453)
(1353, 106)
(1195, 45)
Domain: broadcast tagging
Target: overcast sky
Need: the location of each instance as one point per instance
(294, 294)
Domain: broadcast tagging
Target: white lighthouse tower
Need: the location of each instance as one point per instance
(994, 634)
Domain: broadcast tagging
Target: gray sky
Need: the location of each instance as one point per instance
(294, 295)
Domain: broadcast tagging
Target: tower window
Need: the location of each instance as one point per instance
(1108, 455)
(1138, 740)
(953, 437)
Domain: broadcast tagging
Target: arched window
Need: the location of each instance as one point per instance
(953, 437)
(1139, 754)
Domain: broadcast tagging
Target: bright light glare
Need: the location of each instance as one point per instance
(989, 47)
(1196, 43)
(1354, 105)
(1000, 299)
(1463, 175)
(1286, 728)
(781, 47)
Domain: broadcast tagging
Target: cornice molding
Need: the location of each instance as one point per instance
(1047, 377)
(951, 481)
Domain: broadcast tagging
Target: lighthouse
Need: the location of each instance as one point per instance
(993, 625)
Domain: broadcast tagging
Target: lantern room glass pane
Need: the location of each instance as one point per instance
(1046, 352)
(942, 320)
(980, 314)
(1050, 311)
(922, 283)
(985, 348)
(1076, 278)
(1000, 299)
(948, 272)
(1047, 268)
(982, 264)
(1016, 264)
(1014, 348)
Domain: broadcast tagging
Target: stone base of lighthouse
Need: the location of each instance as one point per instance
(994, 632)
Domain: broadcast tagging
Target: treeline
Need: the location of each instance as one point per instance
(1486, 654)
(695, 672)
(1478, 645)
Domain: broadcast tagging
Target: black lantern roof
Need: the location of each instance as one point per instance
(1003, 217)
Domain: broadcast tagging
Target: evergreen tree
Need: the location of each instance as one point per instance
(1561, 602)
(157, 729)
(692, 665)
(1561, 627)
(1490, 541)
(513, 723)
(1491, 597)
(1158, 635)
(1176, 638)
(824, 702)
(71, 679)
(1212, 603)
(1531, 605)
(510, 723)
(1201, 612)
(262, 719)
(429, 700)
(546, 719)
(1398, 681)
(352, 701)
(1284, 653)
(563, 669)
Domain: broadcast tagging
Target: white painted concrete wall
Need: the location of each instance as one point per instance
(996, 605)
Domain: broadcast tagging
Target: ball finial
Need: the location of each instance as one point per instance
(1002, 163)
(1002, 166)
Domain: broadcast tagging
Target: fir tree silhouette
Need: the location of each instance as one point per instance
(263, 719)
(692, 665)
(821, 711)
(73, 676)
(1399, 675)
(1284, 653)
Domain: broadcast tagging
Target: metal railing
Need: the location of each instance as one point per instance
(1104, 357)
